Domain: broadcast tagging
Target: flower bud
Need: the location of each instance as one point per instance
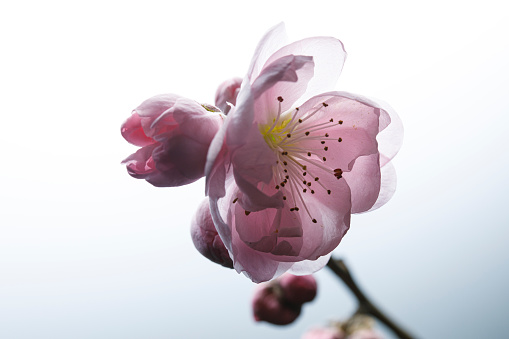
(269, 306)
(206, 239)
(174, 134)
(280, 301)
(298, 289)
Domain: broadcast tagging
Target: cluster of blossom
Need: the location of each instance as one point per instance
(286, 161)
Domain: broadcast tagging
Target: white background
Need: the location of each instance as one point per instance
(88, 252)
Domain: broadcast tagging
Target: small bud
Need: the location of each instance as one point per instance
(269, 306)
(298, 289)
(280, 301)
(206, 239)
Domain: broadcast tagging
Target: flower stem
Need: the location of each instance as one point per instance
(365, 305)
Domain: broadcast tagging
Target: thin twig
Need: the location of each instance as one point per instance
(365, 305)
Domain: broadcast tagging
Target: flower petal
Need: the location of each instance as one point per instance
(227, 94)
(279, 85)
(273, 40)
(352, 131)
(206, 239)
(306, 267)
(364, 181)
(132, 131)
(391, 133)
(387, 187)
(180, 158)
(262, 242)
(328, 55)
(140, 164)
(152, 108)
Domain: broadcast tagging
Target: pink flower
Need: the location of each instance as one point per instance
(280, 301)
(205, 237)
(174, 134)
(283, 178)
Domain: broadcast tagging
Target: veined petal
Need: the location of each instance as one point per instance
(132, 131)
(240, 120)
(306, 267)
(341, 129)
(181, 158)
(391, 133)
(252, 168)
(262, 242)
(328, 55)
(152, 108)
(227, 94)
(273, 40)
(387, 186)
(140, 164)
(280, 84)
(364, 180)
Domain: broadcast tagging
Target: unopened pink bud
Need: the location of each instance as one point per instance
(298, 289)
(206, 239)
(268, 306)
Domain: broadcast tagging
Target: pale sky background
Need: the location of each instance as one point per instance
(88, 252)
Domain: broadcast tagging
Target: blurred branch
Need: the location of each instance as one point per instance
(365, 305)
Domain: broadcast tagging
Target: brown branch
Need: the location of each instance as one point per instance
(365, 305)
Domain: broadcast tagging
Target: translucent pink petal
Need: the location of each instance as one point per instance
(240, 120)
(387, 187)
(196, 122)
(328, 55)
(280, 84)
(364, 180)
(273, 40)
(205, 237)
(309, 266)
(153, 108)
(263, 241)
(227, 94)
(352, 132)
(391, 133)
(133, 132)
(252, 167)
(140, 164)
(180, 158)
